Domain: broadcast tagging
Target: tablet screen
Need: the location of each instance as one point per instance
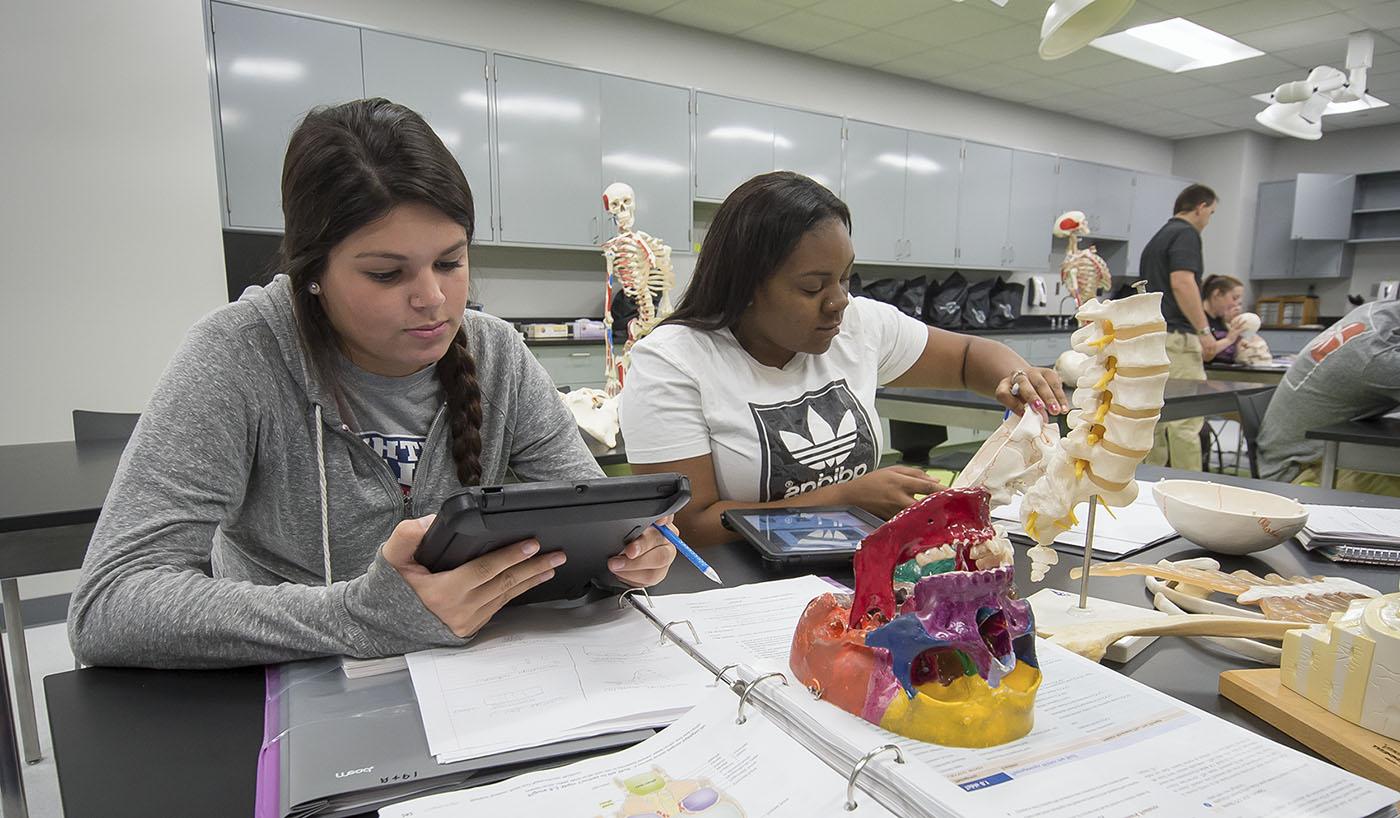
(812, 532)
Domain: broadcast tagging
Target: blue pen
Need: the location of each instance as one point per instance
(689, 553)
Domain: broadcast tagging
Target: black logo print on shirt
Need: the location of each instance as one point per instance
(820, 438)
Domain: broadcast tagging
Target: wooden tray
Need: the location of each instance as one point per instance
(1349, 746)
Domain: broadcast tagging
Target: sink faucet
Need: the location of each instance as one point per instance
(1061, 321)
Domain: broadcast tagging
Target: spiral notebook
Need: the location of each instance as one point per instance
(760, 745)
(1353, 534)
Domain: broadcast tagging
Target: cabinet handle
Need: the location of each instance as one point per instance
(595, 229)
(580, 355)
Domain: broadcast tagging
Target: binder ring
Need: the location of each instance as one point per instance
(719, 677)
(685, 622)
(816, 690)
(860, 765)
(748, 688)
(622, 598)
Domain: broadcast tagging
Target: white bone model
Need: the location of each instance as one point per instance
(596, 414)
(1084, 272)
(1251, 349)
(641, 265)
(1351, 665)
(1117, 401)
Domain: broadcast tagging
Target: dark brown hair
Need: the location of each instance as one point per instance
(347, 166)
(1192, 197)
(1219, 284)
(754, 231)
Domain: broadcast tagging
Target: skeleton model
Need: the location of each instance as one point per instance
(1117, 400)
(1084, 272)
(641, 265)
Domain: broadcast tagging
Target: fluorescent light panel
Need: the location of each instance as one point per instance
(1175, 45)
(1341, 107)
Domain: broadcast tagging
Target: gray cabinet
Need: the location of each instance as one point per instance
(270, 69)
(1277, 252)
(931, 175)
(984, 206)
(736, 140)
(1103, 193)
(875, 158)
(447, 85)
(1322, 206)
(646, 143)
(809, 144)
(1154, 198)
(548, 146)
(1032, 211)
(1287, 341)
(574, 365)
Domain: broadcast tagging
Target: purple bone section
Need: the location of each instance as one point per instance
(948, 605)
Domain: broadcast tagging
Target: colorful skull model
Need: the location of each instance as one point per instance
(933, 644)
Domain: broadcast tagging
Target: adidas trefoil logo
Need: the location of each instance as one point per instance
(826, 447)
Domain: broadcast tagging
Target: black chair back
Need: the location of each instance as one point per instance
(89, 426)
(1252, 408)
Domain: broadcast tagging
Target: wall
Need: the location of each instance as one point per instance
(109, 217)
(1358, 150)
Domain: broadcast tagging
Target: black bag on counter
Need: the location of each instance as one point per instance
(624, 309)
(1005, 303)
(854, 287)
(944, 306)
(911, 296)
(978, 308)
(882, 289)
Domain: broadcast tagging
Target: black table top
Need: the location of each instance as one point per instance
(1276, 366)
(1378, 432)
(147, 742)
(1178, 394)
(53, 484)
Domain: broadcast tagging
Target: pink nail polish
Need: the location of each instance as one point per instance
(1040, 404)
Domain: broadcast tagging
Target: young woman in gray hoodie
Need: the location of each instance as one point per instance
(271, 499)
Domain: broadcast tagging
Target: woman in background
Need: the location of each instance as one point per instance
(1222, 297)
(272, 498)
(760, 387)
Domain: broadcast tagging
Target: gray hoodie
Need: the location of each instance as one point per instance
(222, 477)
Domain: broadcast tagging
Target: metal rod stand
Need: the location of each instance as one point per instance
(1088, 554)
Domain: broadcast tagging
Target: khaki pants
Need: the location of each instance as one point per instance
(1178, 443)
(1348, 480)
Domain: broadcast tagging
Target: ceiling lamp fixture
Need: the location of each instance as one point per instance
(1296, 108)
(1070, 24)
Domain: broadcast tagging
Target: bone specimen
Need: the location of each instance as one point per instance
(1351, 664)
(641, 265)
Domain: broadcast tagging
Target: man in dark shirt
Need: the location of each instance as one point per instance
(1172, 263)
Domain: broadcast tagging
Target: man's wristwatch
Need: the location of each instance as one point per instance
(1203, 331)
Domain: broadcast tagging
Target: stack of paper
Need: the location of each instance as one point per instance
(544, 675)
(1118, 532)
(360, 668)
(1353, 534)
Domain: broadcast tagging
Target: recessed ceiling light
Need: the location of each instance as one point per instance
(1175, 45)
(1341, 107)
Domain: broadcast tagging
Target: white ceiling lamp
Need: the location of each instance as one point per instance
(1296, 108)
(1070, 24)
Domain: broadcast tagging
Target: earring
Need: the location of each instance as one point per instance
(314, 288)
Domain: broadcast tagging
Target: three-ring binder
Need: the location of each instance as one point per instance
(685, 622)
(860, 766)
(740, 718)
(622, 598)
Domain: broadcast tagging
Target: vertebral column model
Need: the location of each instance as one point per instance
(641, 265)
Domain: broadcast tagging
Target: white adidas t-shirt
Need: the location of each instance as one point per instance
(773, 433)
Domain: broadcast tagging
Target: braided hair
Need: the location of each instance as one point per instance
(348, 166)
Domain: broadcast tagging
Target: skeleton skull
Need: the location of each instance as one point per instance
(621, 202)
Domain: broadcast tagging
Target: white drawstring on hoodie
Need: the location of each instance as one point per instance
(325, 505)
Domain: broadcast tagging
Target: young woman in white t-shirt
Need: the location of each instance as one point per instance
(761, 386)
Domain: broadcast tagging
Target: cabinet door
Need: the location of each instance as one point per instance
(809, 144)
(646, 143)
(1113, 198)
(1032, 211)
(875, 159)
(734, 142)
(1076, 188)
(548, 145)
(1322, 206)
(447, 85)
(1154, 196)
(931, 198)
(1273, 248)
(1318, 258)
(984, 206)
(271, 69)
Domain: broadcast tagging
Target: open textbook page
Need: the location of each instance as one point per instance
(1118, 532)
(1102, 745)
(704, 764)
(543, 675)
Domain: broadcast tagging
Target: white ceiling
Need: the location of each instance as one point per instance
(977, 47)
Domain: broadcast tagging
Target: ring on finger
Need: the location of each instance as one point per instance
(1016, 383)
